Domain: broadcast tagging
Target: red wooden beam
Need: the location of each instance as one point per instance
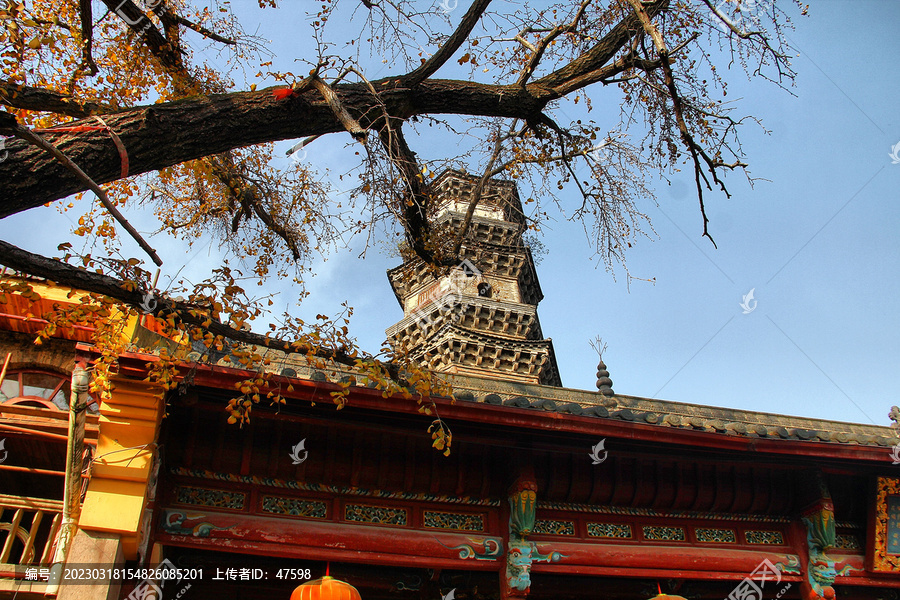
(32, 470)
(32, 325)
(371, 544)
(44, 434)
(312, 540)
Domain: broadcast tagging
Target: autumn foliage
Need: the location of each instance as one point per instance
(125, 91)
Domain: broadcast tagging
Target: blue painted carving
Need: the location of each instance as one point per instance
(536, 556)
(820, 537)
(518, 566)
(522, 552)
(173, 522)
(790, 566)
(492, 548)
(522, 504)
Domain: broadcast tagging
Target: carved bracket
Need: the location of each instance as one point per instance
(818, 518)
(516, 582)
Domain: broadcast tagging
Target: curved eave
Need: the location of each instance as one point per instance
(452, 332)
(540, 418)
(527, 270)
(390, 276)
(461, 305)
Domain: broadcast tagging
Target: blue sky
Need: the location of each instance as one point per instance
(817, 243)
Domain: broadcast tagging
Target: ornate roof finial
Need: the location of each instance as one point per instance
(894, 416)
(604, 383)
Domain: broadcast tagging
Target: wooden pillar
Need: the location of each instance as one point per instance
(74, 464)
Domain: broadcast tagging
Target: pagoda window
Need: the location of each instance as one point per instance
(38, 388)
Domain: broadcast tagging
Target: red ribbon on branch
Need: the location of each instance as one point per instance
(123, 154)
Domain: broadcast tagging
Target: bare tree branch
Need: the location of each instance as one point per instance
(538, 51)
(250, 199)
(479, 189)
(449, 48)
(415, 201)
(33, 138)
(138, 21)
(87, 36)
(693, 147)
(334, 103)
(204, 31)
(601, 53)
(31, 98)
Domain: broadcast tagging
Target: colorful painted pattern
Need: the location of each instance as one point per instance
(550, 527)
(647, 512)
(719, 536)
(609, 530)
(887, 524)
(492, 548)
(664, 534)
(772, 538)
(208, 497)
(179, 523)
(331, 489)
(790, 565)
(295, 507)
(457, 521)
(847, 541)
(381, 515)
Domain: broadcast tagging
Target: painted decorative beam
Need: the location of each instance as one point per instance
(307, 539)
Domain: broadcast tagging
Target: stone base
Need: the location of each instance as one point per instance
(103, 551)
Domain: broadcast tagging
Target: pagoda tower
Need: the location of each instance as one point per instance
(480, 318)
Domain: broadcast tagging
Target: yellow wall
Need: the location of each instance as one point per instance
(116, 496)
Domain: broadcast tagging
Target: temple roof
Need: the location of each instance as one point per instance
(500, 392)
(669, 414)
(562, 404)
(666, 414)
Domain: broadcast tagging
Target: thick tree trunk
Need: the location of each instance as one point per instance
(166, 134)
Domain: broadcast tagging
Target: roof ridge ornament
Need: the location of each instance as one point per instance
(604, 383)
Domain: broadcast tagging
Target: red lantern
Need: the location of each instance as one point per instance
(661, 596)
(326, 588)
